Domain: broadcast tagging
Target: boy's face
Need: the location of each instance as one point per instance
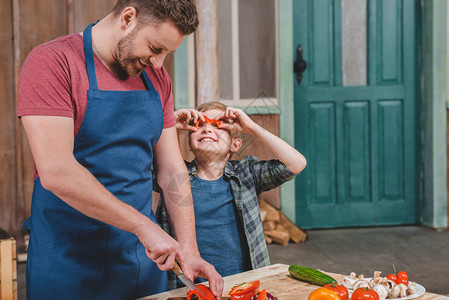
(209, 140)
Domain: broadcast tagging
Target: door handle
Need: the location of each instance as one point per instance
(300, 64)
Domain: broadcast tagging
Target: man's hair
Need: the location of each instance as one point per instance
(211, 105)
(182, 13)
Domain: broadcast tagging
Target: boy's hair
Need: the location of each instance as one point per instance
(182, 13)
(211, 105)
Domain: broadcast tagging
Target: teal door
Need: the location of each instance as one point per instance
(356, 117)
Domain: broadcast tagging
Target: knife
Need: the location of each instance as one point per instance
(189, 283)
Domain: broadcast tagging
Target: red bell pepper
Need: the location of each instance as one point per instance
(245, 291)
(206, 295)
(208, 121)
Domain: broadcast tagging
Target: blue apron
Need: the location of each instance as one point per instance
(73, 256)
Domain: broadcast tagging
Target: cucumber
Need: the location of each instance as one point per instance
(310, 275)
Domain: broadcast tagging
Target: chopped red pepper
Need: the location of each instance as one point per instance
(208, 121)
(245, 291)
(262, 295)
(206, 295)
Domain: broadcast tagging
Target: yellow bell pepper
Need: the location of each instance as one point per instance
(323, 294)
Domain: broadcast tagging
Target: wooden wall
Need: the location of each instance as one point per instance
(23, 25)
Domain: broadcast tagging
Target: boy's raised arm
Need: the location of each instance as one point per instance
(291, 157)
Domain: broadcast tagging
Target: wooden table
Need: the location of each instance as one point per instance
(276, 280)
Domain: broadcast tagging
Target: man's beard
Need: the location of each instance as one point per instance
(126, 61)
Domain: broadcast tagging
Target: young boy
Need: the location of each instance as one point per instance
(228, 225)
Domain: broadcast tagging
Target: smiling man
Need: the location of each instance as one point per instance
(97, 108)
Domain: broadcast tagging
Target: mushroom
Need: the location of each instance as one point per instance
(349, 281)
(361, 283)
(403, 290)
(376, 279)
(394, 292)
(388, 284)
(411, 288)
(381, 290)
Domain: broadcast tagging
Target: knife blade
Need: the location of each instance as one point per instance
(189, 283)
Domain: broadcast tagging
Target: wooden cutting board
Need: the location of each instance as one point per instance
(276, 280)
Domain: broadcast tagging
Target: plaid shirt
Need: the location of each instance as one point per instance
(248, 178)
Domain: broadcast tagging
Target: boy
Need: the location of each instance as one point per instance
(228, 225)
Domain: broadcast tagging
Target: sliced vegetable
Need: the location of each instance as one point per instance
(341, 290)
(208, 121)
(205, 295)
(323, 294)
(364, 294)
(310, 275)
(244, 291)
(262, 295)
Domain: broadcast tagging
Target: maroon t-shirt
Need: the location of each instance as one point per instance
(53, 82)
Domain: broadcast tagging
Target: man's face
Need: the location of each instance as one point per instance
(209, 139)
(146, 45)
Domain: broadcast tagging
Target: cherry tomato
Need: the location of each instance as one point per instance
(341, 290)
(364, 294)
(402, 275)
(392, 277)
(402, 280)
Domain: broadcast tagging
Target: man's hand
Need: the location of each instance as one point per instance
(160, 246)
(195, 265)
(183, 117)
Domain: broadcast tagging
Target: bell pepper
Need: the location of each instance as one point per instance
(205, 295)
(244, 291)
(208, 121)
(262, 295)
(323, 294)
(341, 290)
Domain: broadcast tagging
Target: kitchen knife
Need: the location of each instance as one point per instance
(189, 283)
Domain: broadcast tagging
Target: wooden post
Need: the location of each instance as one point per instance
(207, 52)
(8, 270)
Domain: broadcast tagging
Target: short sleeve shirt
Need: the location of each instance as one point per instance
(53, 82)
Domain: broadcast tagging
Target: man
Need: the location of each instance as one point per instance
(96, 108)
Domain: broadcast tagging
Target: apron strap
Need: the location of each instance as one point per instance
(146, 81)
(89, 56)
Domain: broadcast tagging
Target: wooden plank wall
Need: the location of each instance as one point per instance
(23, 25)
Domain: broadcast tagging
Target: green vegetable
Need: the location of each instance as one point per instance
(310, 275)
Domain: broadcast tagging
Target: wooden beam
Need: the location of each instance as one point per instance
(207, 52)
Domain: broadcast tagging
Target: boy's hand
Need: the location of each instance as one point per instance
(240, 121)
(183, 117)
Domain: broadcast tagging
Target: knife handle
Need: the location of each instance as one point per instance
(176, 269)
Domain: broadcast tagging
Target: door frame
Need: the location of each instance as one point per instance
(434, 119)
